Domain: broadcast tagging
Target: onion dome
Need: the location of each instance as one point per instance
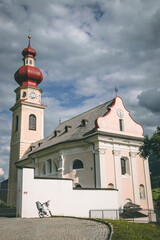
(28, 75)
(29, 52)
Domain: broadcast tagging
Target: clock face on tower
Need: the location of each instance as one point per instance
(33, 95)
(120, 113)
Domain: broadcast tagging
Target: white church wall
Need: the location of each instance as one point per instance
(64, 200)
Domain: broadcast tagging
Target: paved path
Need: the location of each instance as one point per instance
(51, 229)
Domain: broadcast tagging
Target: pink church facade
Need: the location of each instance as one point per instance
(98, 149)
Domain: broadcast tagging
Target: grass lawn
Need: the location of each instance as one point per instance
(155, 193)
(124, 230)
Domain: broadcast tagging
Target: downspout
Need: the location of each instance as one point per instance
(94, 159)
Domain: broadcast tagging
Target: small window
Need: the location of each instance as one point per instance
(44, 169)
(24, 94)
(110, 185)
(49, 166)
(27, 61)
(17, 123)
(32, 122)
(84, 122)
(30, 61)
(128, 200)
(67, 128)
(78, 164)
(121, 127)
(141, 191)
(78, 186)
(55, 168)
(125, 166)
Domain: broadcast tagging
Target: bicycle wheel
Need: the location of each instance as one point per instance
(41, 215)
(50, 213)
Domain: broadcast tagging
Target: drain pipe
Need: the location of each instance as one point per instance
(94, 159)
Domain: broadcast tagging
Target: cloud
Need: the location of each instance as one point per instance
(84, 49)
(1, 175)
(1, 172)
(150, 99)
(5, 134)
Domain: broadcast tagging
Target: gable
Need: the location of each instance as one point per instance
(119, 120)
(104, 117)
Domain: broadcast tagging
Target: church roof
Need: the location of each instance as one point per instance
(76, 128)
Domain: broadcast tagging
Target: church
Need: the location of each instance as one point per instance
(92, 157)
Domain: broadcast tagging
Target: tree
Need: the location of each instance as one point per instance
(151, 145)
(151, 149)
(158, 202)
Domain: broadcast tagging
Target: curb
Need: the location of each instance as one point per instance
(109, 237)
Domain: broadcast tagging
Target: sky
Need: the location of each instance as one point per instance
(84, 49)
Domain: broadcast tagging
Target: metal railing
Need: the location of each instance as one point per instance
(144, 215)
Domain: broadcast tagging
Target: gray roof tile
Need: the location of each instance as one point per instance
(76, 129)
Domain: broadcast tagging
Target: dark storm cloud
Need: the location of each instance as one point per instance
(150, 99)
(25, 7)
(4, 9)
(84, 48)
(97, 10)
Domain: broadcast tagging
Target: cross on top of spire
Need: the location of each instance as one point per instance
(116, 90)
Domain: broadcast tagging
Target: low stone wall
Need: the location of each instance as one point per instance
(64, 200)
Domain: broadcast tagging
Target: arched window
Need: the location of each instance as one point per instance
(17, 123)
(141, 191)
(110, 185)
(78, 186)
(44, 169)
(32, 122)
(78, 164)
(49, 166)
(55, 168)
(128, 200)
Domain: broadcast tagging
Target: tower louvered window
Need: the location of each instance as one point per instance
(32, 122)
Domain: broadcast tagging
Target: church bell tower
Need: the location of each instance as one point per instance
(27, 117)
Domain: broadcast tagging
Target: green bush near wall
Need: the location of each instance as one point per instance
(5, 205)
(155, 193)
